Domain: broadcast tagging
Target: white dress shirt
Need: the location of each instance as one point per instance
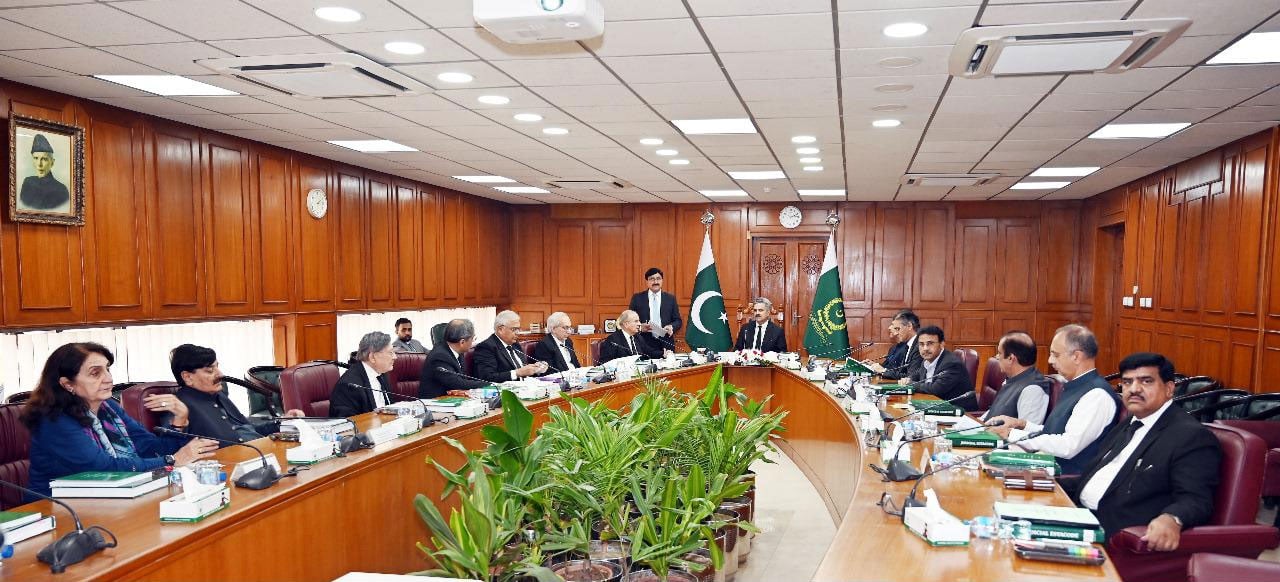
(1033, 405)
(631, 342)
(929, 367)
(1090, 417)
(1092, 492)
(564, 353)
(506, 349)
(379, 399)
(655, 312)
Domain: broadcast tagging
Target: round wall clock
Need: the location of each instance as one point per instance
(317, 203)
(790, 217)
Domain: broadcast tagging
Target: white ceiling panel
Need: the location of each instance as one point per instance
(14, 36)
(1005, 105)
(489, 47)
(483, 74)
(701, 110)
(970, 157)
(780, 32)
(648, 37)
(439, 48)
(880, 87)
(314, 105)
(1227, 16)
(292, 45)
(617, 113)
(177, 58)
(92, 24)
(1233, 76)
(1189, 51)
(615, 10)
(863, 29)
(960, 119)
(633, 131)
(1046, 12)
(805, 108)
(704, 92)
(82, 86)
(411, 103)
(1261, 113)
(938, 146)
(1051, 132)
(1033, 85)
(232, 104)
(1137, 80)
(783, 89)
(557, 72)
(588, 95)
(666, 69)
(1167, 115)
(1068, 118)
(286, 121)
(83, 61)
(1091, 101)
(877, 62)
(365, 119)
(377, 15)
(153, 105)
(11, 68)
(520, 98)
(961, 134)
(780, 65)
(1202, 98)
(444, 118)
(234, 19)
(213, 121)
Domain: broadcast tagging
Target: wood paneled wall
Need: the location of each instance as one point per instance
(1201, 244)
(183, 223)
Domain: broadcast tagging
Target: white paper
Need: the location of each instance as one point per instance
(308, 438)
(658, 330)
(931, 499)
(192, 488)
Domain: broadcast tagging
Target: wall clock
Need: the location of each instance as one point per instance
(317, 203)
(790, 217)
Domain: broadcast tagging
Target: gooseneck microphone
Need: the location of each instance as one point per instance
(911, 500)
(260, 478)
(899, 470)
(493, 403)
(73, 547)
(926, 408)
(361, 440)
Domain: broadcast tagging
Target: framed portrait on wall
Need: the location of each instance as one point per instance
(610, 325)
(46, 171)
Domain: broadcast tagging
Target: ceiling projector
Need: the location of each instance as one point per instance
(540, 21)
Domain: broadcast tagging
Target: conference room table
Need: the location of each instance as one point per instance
(355, 513)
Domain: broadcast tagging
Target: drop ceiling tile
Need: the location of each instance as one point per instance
(637, 37)
(662, 131)
(874, 87)
(969, 158)
(215, 121)
(704, 8)
(520, 98)
(557, 72)
(328, 133)
(1007, 105)
(804, 108)
(618, 113)
(684, 196)
(411, 103)
(1200, 98)
(11, 68)
(757, 159)
(963, 134)
(234, 19)
(1229, 77)
(93, 24)
(1048, 12)
(704, 92)
(286, 121)
(862, 29)
(1138, 80)
(666, 69)
(292, 45)
(877, 62)
(1032, 85)
(174, 58)
(939, 146)
(701, 110)
(1091, 101)
(745, 139)
(152, 105)
(716, 151)
(80, 86)
(314, 105)
(921, 194)
(780, 65)
(484, 74)
(1167, 115)
(588, 95)
(1191, 50)
(233, 84)
(377, 15)
(83, 61)
(505, 116)
(1209, 17)
(1050, 132)
(954, 120)
(439, 48)
(1270, 97)
(444, 118)
(1068, 118)
(364, 119)
(489, 47)
(270, 135)
(617, 10)
(14, 36)
(776, 32)
(232, 104)
(783, 89)
(1261, 113)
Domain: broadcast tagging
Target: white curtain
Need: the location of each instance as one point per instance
(353, 326)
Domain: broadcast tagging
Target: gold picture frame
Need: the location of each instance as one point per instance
(46, 171)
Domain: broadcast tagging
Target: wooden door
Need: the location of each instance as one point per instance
(785, 270)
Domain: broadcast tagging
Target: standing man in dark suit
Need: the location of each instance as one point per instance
(626, 341)
(364, 386)
(556, 349)
(942, 373)
(499, 358)
(907, 324)
(442, 371)
(760, 333)
(659, 314)
(1159, 468)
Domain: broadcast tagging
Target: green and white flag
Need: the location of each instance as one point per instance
(827, 335)
(708, 323)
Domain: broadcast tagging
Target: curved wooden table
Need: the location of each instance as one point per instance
(355, 513)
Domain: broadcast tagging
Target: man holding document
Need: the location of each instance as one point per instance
(659, 313)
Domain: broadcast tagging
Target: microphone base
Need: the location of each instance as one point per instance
(911, 501)
(899, 470)
(258, 479)
(71, 549)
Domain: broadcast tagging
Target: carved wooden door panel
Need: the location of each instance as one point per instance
(785, 270)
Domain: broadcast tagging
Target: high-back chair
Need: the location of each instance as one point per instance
(970, 359)
(132, 397)
(405, 374)
(307, 387)
(992, 380)
(15, 454)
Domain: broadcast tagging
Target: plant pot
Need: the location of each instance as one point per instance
(707, 573)
(588, 571)
(648, 576)
(729, 544)
(746, 510)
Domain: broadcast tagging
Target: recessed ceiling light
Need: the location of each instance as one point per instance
(372, 145)
(521, 189)
(1259, 47)
(807, 151)
(167, 85)
(338, 14)
(714, 126)
(803, 139)
(905, 30)
(678, 162)
(1038, 185)
(485, 179)
(810, 160)
(650, 141)
(554, 130)
(889, 107)
(894, 88)
(722, 193)
(455, 77)
(1138, 130)
(886, 123)
(404, 47)
(527, 117)
(813, 168)
(493, 99)
(898, 62)
(765, 175)
(821, 192)
(1064, 172)
(666, 152)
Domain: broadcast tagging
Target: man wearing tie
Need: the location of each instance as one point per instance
(499, 358)
(626, 341)
(658, 312)
(556, 349)
(443, 369)
(364, 386)
(759, 334)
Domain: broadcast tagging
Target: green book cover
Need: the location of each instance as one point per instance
(447, 400)
(103, 479)
(856, 367)
(936, 407)
(1041, 531)
(12, 519)
(893, 389)
(983, 439)
(1021, 460)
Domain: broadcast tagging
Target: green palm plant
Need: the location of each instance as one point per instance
(675, 520)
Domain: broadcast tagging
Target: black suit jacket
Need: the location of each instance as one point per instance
(348, 400)
(433, 382)
(670, 312)
(492, 360)
(910, 364)
(774, 339)
(546, 351)
(950, 379)
(615, 346)
(1179, 474)
(214, 415)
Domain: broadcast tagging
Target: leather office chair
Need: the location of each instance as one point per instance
(970, 359)
(131, 400)
(1264, 406)
(307, 387)
(18, 397)
(468, 362)
(437, 333)
(1219, 568)
(595, 352)
(992, 380)
(15, 454)
(1269, 432)
(266, 379)
(1234, 407)
(1194, 385)
(1231, 530)
(1055, 390)
(1192, 403)
(406, 373)
(527, 346)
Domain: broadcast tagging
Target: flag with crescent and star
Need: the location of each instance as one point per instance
(709, 325)
(827, 334)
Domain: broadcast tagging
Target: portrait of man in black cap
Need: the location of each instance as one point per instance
(40, 190)
(46, 171)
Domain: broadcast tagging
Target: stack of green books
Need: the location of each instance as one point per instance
(1054, 523)
(112, 484)
(20, 525)
(976, 439)
(936, 407)
(1019, 460)
(893, 389)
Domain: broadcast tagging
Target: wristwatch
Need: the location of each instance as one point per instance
(171, 461)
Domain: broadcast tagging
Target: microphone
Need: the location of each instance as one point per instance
(549, 366)
(73, 547)
(911, 500)
(930, 406)
(493, 403)
(636, 352)
(260, 478)
(271, 407)
(360, 440)
(899, 470)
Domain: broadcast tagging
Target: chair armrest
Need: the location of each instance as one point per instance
(1215, 567)
(1224, 539)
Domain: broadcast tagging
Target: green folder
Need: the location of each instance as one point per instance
(1021, 460)
(855, 367)
(936, 407)
(983, 439)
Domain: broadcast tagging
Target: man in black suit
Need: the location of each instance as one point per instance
(760, 333)
(443, 369)
(942, 373)
(364, 386)
(659, 327)
(556, 349)
(907, 325)
(1158, 468)
(210, 412)
(626, 341)
(499, 358)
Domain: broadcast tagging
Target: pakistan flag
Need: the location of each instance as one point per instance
(827, 335)
(708, 324)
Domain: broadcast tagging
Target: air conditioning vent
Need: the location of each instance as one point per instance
(948, 180)
(1058, 48)
(319, 76)
(590, 184)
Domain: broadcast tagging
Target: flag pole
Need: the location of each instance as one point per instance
(707, 219)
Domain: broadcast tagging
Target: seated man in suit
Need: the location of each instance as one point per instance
(1025, 393)
(908, 325)
(658, 312)
(404, 337)
(209, 411)
(499, 358)
(625, 342)
(760, 334)
(1087, 406)
(442, 371)
(556, 349)
(1158, 469)
(942, 373)
(364, 386)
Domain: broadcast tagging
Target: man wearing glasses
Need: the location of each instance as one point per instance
(904, 357)
(557, 349)
(1086, 408)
